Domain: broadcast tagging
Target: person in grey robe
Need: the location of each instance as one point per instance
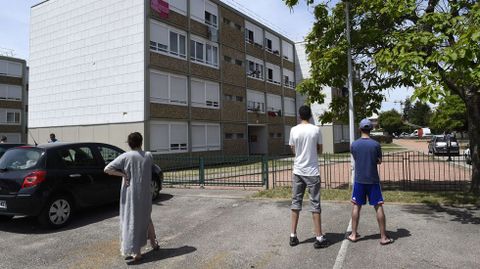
(135, 167)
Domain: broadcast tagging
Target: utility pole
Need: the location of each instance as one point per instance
(351, 117)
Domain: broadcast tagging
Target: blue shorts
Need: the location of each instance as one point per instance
(362, 191)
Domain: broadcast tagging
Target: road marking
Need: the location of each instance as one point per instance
(343, 249)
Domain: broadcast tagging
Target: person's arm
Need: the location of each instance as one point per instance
(379, 154)
(291, 142)
(319, 142)
(115, 168)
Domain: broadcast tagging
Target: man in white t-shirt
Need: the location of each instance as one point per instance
(306, 141)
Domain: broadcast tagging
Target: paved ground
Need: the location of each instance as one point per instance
(223, 229)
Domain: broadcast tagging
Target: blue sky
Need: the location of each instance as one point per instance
(295, 24)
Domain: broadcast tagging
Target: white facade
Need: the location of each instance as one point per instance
(90, 70)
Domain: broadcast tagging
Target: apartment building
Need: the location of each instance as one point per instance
(193, 76)
(335, 135)
(13, 99)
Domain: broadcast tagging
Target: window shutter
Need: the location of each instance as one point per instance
(178, 90)
(159, 87)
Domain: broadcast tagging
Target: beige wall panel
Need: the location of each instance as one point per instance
(205, 114)
(290, 121)
(168, 111)
(160, 61)
(273, 58)
(289, 65)
(289, 93)
(202, 71)
(198, 28)
(255, 51)
(11, 129)
(11, 104)
(257, 118)
(327, 138)
(273, 88)
(11, 80)
(255, 84)
(175, 19)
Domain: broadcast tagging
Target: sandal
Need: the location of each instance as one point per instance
(155, 246)
(389, 241)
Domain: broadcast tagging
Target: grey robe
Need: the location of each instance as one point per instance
(135, 199)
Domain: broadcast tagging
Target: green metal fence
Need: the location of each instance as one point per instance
(243, 171)
(400, 170)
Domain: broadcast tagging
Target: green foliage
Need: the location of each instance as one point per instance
(391, 121)
(449, 115)
(420, 114)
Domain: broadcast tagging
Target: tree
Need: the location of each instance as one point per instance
(420, 114)
(430, 45)
(449, 115)
(406, 108)
(391, 121)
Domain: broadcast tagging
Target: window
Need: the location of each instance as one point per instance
(240, 135)
(227, 59)
(287, 133)
(108, 154)
(10, 116)
(229, 136)
(254, 67)
(288, 79)
(273, 73)
(77, 157)
(253, 34)
(211, 14)
(274, 105)
(10, 92)
(272, 43)
(228, 97)
(239, 62)
(289, 105)
(167, 40)
(239, 98)
(205, 94)
(255, 101)
(169, 137)
(205, 136)
(287, 50)
(179, 6)
(226, 21)
(203, 51)
(10, 68)
(168, 88)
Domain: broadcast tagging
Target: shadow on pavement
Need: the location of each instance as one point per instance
(162, 198)
(163, 253)
(30, 225)
(400, 233)
(83, 217)
(332, 237)
(462, 215)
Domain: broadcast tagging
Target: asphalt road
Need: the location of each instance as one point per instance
(224, 229)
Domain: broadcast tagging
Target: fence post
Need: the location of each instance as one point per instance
(201, 172)
(265, 171)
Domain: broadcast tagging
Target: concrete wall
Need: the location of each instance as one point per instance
(115, 134)
(87, 62)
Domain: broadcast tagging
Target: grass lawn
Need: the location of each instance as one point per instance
(435, 198)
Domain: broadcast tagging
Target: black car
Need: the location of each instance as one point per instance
(51, 181)
(439, 145)
(7, 146)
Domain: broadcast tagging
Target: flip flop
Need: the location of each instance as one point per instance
(349, 239)
(389, 241)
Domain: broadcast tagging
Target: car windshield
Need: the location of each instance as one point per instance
(21, 159)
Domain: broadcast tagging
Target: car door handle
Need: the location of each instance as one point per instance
(75, 175)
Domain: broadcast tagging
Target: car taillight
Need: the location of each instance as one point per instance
(34, 178)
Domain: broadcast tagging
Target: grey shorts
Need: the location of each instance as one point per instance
(299, 183)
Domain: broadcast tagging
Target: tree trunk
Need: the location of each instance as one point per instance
(473, 112)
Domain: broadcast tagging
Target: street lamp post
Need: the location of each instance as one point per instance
(351, 118)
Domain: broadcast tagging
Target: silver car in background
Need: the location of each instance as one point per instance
(439, 146)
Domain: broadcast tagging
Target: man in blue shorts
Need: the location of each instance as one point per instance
(367, 154)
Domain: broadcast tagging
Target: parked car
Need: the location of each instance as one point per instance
(51, 181)
(438, 146)
(468, 156)
(5, 147)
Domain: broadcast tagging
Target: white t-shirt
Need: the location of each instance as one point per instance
(305, 138)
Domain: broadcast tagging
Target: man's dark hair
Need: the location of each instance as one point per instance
(3, 139)
(305, 112)
(52, 135)
(135, 140)
(365, 131)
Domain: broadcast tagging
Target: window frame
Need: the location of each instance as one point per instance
(17, 115)
(169, 101)
(182, 147)
(256, 63)
(194, 40)
(155, 46)
(262, 106)
(289, 113)
(206, 146)
(7, 90)
(205, 105)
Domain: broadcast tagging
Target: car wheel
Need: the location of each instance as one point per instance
(5, 217)
(57, 213)
(155, 187)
